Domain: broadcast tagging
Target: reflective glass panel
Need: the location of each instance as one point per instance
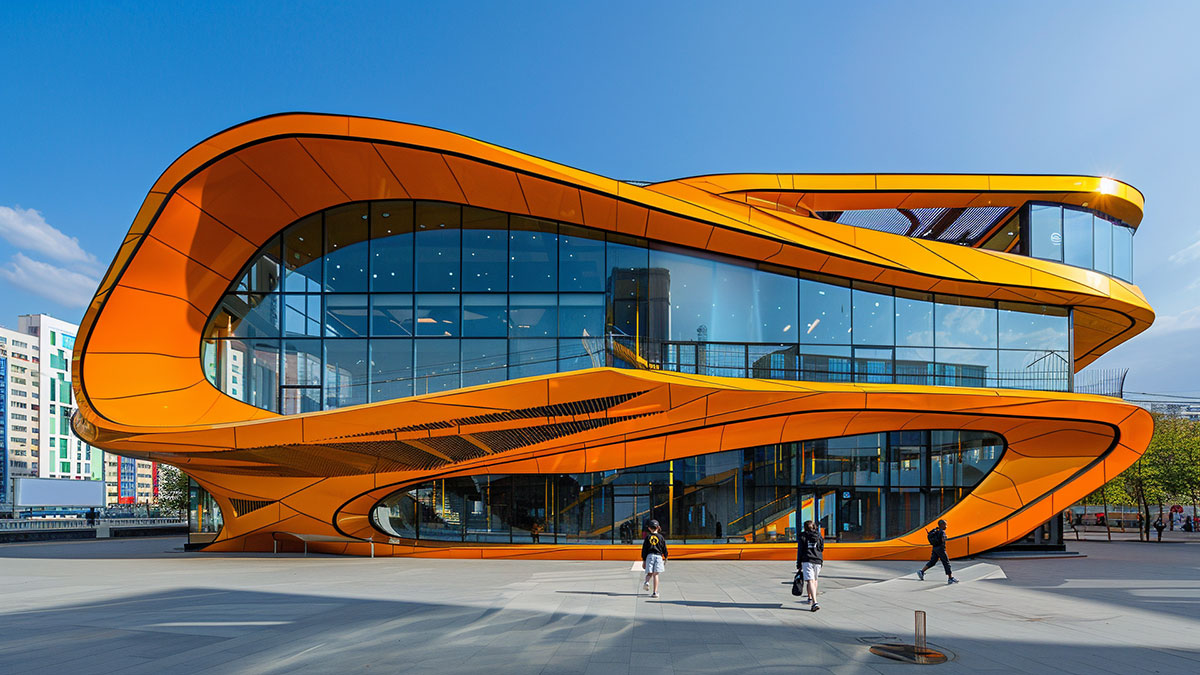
(391, 369)
(436, 365)
(533, 255)
(580, 353)
(914, 319)
(302, 362)
(965, 322)
(484, 361)
(691, 301)
(966, 367)
(1035, 369)
(627, 285)
(248, 370)
(914, 365)
(527, 358)
(346, 316)
(300, 400)
(1123, 252)
(580, 259)
(873, 365)
(874, 315)
(262, 274)
(392, 246)
(1045, 230)
(346, 248)
(438, 246)
(1033, 327)
(392, 314)
(1077, 238)
(1102, 233)
(437, 314)
(485, 315)
(246, 315)
(824, 313)
(533, 315)
(825, 364)
(346, 368)
(302, 255)
(485, 250)
(774, 307)
(581, 314)
(302, 314)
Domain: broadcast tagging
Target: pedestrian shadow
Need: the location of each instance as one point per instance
(724, 605)
(608, 593)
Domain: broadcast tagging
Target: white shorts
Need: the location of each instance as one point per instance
(810, 571)
(655, 563)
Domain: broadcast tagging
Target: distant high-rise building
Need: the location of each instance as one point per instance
(20, 416)
(62, 453)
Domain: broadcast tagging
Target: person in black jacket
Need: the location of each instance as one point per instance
(810, 554)
(654, 555)
(937, 539)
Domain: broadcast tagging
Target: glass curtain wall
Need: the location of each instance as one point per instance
(376, 301)
(1082, 238)
(858, 488)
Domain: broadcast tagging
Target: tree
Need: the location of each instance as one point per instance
(173, 490)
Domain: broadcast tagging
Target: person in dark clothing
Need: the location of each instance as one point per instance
(654, 555)
(1158, 525)
(937, 539)
(810, 554)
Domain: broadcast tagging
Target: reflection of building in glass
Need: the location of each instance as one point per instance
(449, 348)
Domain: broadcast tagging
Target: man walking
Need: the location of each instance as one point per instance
(810, 552)
(937, 539)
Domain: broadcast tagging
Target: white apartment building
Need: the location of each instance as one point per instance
(62, 453)
(21, 419)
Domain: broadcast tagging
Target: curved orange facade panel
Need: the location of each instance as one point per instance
(142, 391)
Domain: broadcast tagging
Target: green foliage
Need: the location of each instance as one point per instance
(173, 490)
(1168, 472)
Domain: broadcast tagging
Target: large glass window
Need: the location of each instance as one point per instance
(857, 488)
(1077, 238)
(346, 255)
(346, 367)
(1045, 229)
(532, 254)
(1122, 243)
(438, 246)
(391, 246)
(580, 259)
(485, 250)
(1102, 245)
(302, 255)
(596, 299)
(1081, 237)
(965, 322)
(824, 312)
(874, 315)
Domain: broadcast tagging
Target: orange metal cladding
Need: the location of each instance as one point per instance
(142, 392)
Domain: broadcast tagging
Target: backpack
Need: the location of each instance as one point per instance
(934, 536)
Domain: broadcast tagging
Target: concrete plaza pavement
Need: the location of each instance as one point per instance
(144, 606)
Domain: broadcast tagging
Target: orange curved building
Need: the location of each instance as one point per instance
(378, 337)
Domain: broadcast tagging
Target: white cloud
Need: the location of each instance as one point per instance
(66, 287)
(1188, 319)
(1187, 254)
(27, 230)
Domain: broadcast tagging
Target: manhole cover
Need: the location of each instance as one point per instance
(908, 653)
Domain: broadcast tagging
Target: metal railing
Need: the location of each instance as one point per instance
(1050, 372)
(82, 523)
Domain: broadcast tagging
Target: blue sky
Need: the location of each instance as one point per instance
(100, 97)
